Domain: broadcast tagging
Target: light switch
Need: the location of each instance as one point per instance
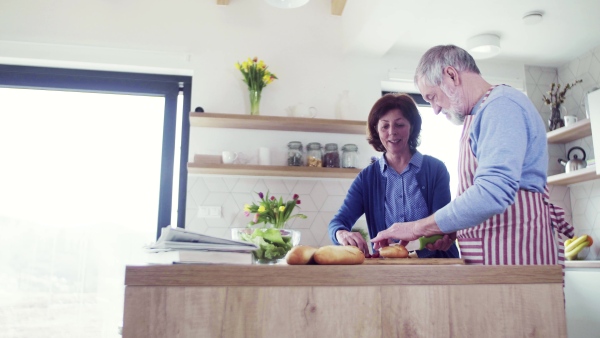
(209, 212)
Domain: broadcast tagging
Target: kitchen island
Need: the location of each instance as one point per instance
(343, 301)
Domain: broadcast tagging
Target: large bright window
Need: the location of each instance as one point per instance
(85, 176)
(440, 138)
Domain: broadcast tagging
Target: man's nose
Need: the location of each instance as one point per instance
(436, 109)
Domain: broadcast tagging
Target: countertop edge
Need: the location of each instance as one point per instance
(338, 275)
(582, 264)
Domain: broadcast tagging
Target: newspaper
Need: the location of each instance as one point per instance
(181, 239)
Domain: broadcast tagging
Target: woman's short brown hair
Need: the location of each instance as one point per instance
(409, 110)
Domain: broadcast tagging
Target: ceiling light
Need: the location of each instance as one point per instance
(533, 18)
(287, 3)
(484, 46)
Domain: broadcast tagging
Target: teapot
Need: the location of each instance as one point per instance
(575, 163)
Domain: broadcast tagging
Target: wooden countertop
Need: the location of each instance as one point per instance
(344, 301)
(337, 275)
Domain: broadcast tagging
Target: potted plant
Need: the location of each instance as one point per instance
(271, 215)
(555, 98)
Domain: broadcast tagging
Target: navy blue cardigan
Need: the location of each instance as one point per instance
(367, 193)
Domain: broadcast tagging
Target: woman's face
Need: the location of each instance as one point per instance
(394, 131)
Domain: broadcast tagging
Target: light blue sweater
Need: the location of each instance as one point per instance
(508, 138)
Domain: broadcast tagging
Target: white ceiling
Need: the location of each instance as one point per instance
(379, 28)
(568, 29)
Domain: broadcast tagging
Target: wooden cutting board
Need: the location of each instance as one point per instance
(414, 261)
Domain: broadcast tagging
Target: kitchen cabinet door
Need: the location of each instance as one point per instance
(594, 109)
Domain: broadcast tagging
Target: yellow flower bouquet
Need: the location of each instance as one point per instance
(271, 210)
(256, 76)
(273, 242)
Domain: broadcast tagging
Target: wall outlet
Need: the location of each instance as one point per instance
(209, 212)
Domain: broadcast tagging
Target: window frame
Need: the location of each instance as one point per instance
(168, 86)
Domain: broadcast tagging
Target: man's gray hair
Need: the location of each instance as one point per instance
(439, 57)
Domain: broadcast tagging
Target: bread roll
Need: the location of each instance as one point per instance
(339, 255)
(300, 254)
(393, 251)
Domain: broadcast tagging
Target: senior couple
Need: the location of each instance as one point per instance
(501, 215)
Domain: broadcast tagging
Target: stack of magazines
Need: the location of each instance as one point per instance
(177, 245)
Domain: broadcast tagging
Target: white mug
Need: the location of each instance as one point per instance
(569, 120)
(229, 157)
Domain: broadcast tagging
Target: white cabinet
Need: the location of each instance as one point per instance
(593, 101)
(582, 299)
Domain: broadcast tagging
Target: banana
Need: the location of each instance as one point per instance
(575, 243)
(568, 241)
(570, 255)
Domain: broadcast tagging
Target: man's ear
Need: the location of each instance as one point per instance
(452, 73)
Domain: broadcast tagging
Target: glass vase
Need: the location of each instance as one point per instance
(556, 121)
(288, 236)
(254, 102)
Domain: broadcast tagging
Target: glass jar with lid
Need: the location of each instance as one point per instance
(295, 157)
(314, 154)
(331, 157)
(349, 156)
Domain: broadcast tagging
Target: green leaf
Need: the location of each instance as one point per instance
(272, 236)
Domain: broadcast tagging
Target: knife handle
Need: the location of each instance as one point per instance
(423, 241)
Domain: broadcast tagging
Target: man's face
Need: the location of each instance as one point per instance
(445, 99)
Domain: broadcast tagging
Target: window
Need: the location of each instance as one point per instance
(87, 178)
(166, 86)
(440, 138)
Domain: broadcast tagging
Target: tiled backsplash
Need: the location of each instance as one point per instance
(320, 200)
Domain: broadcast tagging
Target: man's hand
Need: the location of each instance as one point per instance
(345, 237)
(405, 232)
(443, 243)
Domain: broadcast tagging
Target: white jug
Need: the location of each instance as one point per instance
(301, 110)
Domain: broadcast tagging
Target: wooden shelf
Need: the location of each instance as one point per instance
(577, 176)
(270, 170)
(579, 129)
(213, 120)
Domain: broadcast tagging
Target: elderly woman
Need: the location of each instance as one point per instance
(403, 185)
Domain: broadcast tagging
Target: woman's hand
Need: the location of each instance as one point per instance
(405, 232)
(345, 237)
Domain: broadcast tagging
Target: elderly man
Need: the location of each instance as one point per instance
(501, 215)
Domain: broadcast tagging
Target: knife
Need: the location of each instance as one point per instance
(423, 241)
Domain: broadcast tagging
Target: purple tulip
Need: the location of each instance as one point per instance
(296, 196)
(297, 201)
(272, 198)
(260, 194)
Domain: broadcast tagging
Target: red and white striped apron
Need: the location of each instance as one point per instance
(523, 234)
